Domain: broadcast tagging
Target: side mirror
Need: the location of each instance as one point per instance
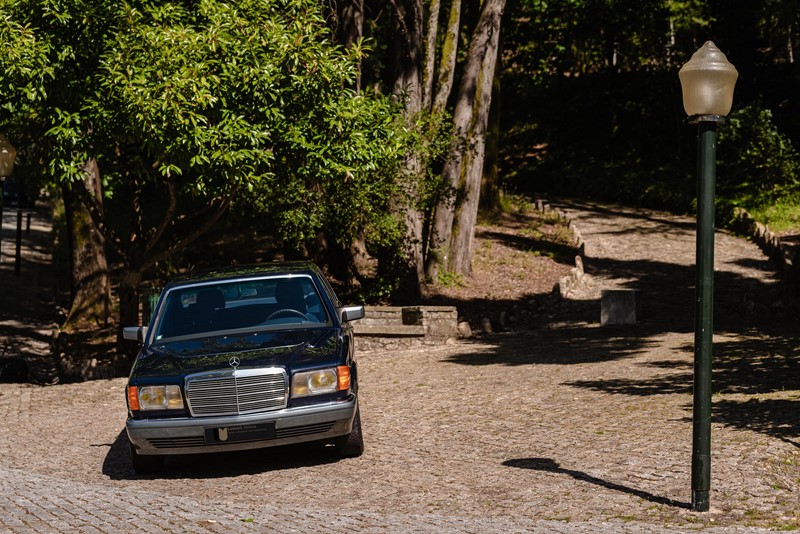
(351, 313)
(135, 333)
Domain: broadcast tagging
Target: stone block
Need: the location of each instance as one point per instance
(618, 306)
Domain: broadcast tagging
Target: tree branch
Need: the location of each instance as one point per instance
(93, 204)
(166, 220)
(223, 205)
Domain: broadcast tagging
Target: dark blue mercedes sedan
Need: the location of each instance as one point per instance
(242, 359)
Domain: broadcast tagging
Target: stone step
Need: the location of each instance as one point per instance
(389, 330)
(392, 326)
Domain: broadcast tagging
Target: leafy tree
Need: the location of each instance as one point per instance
(183, 107)
(780, 22)
(26, 68)
(758, 163)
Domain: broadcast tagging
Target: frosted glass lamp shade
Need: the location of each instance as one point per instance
(707, 81)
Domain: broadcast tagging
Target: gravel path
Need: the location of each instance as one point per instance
(572, 427)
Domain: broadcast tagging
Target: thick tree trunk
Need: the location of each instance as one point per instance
(408, 85)
(440, 227)
(360, 262)
(490, 186)
(454, 221)
(484, 47)
(90, 281)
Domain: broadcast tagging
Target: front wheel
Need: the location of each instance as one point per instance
(351, 445)
(145, 465)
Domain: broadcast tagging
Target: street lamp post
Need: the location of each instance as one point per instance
(7, 156)
(707, 81)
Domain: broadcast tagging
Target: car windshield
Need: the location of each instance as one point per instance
(240, 305)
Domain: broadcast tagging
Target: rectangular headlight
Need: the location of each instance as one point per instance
(316, 382)
(160, 398)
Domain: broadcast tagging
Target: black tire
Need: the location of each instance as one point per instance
(351, 445)
(145, 465)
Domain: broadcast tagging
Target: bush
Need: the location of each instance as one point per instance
(757, 163)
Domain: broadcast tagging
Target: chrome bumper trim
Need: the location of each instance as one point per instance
(185, 435)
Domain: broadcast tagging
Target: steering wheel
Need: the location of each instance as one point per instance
(288, 311)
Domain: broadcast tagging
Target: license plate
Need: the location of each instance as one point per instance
(240, 433)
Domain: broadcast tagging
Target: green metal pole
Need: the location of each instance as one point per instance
(703, 332)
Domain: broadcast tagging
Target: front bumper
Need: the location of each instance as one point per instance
(192, 435)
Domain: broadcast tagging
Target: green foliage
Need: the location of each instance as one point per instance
(689, 17)
(757, 163)
(335, 169)
(450, 279)
(246, 99)
(759, 169)
(779, 22)
(781, 214)
(586, 36)
(513, 203)
(25, 64)
(579, 127)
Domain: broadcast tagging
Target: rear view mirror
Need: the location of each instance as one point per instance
(351, 313)
(135, 333)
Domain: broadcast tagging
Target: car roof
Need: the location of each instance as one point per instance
(246, 271)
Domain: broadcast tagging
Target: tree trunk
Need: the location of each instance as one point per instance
(408, 85)
(484, 47)
(438, 238)
(447, 63)
(90, 283)
(129, 294)
(360, 262)
(451, 237)
(490, 186)
(431, 23)
(350, 27)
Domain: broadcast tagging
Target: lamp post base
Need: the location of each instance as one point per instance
(700, 500)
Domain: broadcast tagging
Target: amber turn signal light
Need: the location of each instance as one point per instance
(133, 398)
(343, 371)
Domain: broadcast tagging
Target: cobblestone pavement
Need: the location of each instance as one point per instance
(570, 427)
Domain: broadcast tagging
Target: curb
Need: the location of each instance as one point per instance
(770, 243)
(577, 277)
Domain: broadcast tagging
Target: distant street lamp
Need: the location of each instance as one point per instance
(707, 81)
(7, 156)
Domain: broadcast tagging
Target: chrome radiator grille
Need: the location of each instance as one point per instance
(237, 392)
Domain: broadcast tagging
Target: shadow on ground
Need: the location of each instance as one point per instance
(755, 322)
(117, 463)
(550, 466)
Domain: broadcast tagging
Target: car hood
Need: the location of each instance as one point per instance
(288, 348)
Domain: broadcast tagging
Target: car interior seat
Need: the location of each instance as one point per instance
(209, 304)
(289, 294)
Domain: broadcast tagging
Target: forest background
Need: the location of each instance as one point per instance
(369, 136)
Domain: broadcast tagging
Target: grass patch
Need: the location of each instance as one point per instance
(450, 279)
(781, 216)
